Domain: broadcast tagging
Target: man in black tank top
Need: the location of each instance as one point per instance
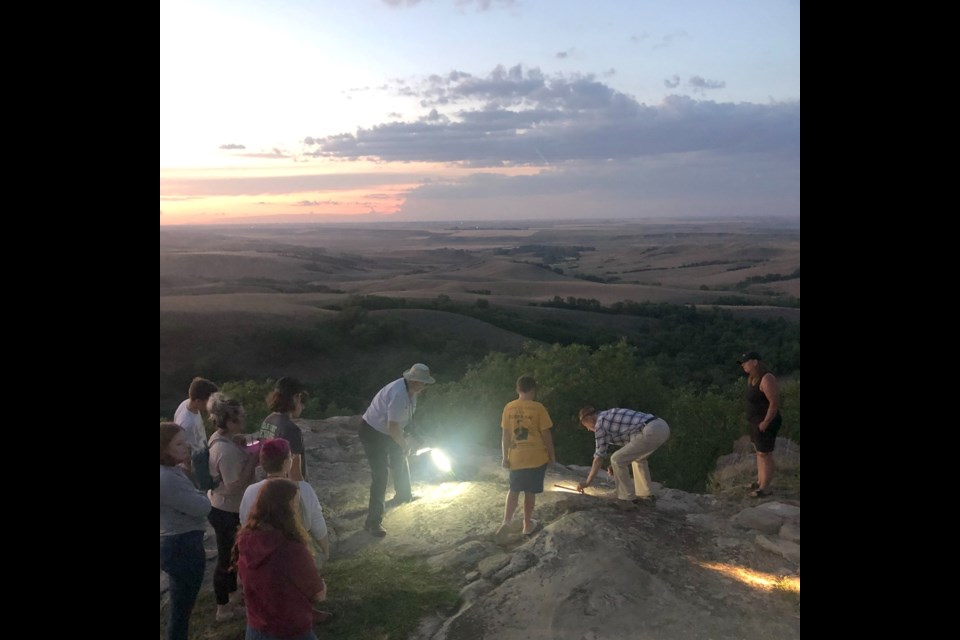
(763, 413)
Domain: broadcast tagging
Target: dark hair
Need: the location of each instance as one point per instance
(281, 402)
(223, 409)
(201, 388)
(168, 430)
(283, 398)
(526, 384)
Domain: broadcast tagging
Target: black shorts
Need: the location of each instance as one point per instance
(528, 480)
(764, 441)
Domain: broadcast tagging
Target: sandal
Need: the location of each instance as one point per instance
(533, 529)
(760, 493)
(753, 485)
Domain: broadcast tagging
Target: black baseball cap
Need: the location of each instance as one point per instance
(749, 355)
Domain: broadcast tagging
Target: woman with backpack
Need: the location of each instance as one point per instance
(183, 519)
(232, 466)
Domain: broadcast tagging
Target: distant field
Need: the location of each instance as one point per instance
(249, 301)
(689, 263)
(262, 304)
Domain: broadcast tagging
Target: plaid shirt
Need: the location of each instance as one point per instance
(617, 426)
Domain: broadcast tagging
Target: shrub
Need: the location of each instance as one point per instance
(703, 424)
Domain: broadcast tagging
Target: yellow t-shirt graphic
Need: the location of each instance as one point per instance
(526, 420)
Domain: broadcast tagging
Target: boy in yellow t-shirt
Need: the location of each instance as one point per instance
(527, 448)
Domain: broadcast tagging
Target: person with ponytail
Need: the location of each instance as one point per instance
(235, 466)
(280, 581)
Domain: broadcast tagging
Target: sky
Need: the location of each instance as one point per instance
(474, 110)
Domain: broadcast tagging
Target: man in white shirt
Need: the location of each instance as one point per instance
(381, 434)
(189, 414)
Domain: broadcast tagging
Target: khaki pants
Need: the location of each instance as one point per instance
(635, 453)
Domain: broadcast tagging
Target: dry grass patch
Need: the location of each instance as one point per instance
(732, 481)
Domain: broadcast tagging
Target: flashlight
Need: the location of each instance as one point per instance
(439, 458)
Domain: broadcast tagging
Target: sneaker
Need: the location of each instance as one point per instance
(648, 501)
(375, 530)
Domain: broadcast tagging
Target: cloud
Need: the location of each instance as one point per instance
(584, 150)
(698, 184)
(702, 84)
(316, 203)
(561, 55)
(516, 116)
(274, 154)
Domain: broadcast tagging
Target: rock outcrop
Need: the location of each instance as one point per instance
(689, 566)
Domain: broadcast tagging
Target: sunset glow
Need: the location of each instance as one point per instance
(378, 109)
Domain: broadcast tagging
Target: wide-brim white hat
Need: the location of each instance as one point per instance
(419, 373)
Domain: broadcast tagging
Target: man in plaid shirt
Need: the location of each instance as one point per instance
(639, 433)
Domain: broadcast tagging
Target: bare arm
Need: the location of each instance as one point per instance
(324, 544)
(296, 471)
(547, 437)
(322, 594)
(505, 441)
(594, 469)
(770, 388)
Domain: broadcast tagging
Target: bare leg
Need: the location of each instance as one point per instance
(529, 500)
(764, 470)
(508, 510)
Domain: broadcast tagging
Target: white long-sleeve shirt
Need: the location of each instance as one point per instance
(311, 513)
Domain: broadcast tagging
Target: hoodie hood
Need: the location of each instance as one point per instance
(257, 547)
